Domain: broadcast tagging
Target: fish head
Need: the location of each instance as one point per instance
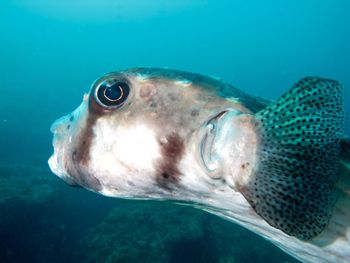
(143, 133)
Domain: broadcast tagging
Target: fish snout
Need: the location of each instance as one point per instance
(57, 162)
(66, 137)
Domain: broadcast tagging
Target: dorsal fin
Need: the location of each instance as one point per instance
(293, 188)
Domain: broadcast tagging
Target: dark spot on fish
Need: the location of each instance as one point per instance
(172, 151)
(243, 166)
(71, 118)
(153, 104)
(68, 126)
(172, 97)
(165, 175)
(194, 113)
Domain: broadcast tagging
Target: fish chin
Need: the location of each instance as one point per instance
(59, 170)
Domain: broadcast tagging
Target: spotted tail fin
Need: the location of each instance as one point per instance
(293, 187)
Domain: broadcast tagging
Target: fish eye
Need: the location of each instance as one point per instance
(112, 94)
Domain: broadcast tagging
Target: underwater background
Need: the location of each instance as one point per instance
(50, 53)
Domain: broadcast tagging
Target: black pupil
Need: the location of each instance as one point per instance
(114, 92)
(113, 95)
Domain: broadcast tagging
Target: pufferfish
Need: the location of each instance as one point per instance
(278, 168)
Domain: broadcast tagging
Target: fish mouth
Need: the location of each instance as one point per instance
(56, 161)
(64, 132)
(62, 142)
(207, 144)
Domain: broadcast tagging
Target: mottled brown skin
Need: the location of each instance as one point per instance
(175, 129)
(172, 151)
(80, 155)
(174, 109)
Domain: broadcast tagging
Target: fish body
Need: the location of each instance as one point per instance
(280, 169)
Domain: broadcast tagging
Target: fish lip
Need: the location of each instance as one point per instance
(207, 142)
(56, 161)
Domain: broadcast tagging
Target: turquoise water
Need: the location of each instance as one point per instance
(51, 52)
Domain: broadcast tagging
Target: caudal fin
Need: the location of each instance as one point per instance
(293, 188)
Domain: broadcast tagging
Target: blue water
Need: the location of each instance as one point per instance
(51, 51)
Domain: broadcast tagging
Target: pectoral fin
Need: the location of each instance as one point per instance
(293, 188)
